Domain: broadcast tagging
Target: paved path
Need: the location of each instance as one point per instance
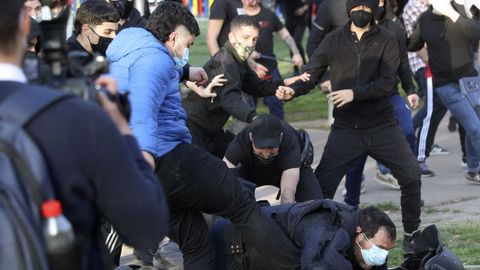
(448, 196)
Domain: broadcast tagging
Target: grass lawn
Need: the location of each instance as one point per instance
(308, 107)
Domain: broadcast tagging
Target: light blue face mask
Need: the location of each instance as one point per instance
(373, 256)
(181, 62)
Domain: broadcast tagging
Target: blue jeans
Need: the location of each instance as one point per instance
(354, 175)
(462, 110)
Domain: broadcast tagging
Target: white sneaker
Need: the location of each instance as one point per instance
(387, 179)
(438, 150)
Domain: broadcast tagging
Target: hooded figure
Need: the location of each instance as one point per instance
(372, 4)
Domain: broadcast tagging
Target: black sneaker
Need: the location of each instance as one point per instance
(409, 242)
(424, 170)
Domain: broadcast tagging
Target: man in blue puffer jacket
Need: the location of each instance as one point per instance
(150, 64)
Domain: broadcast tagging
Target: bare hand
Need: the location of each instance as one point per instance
(285, 93)
(261, 70)
(110, 107)
(304, 77)
(297, 60)
(287, 197)
(198, 75)
(423, 54)
(326, 86)
(217, 81)
(149, 159)
(341, 97)
(413, 100)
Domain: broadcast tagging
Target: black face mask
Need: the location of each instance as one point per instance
(266, 161)
(361, 18)
(102, 45)
(380, 13)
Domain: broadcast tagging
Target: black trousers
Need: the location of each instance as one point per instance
(214, 143)
(296, 26)
(308, 187)
(387, 145)
(195, 182)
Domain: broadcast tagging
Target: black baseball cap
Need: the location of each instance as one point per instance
(266, 131)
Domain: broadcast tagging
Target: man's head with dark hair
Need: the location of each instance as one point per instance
(166, 19)
(243, 21)
(34, 9)
(370, 220)
(376, 234)
(93, 13)
(175, 26)
(14, 30)
(95, 25)
(243, 36)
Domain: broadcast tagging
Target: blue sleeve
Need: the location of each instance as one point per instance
(149, 83)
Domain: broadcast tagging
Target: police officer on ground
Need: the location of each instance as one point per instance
(331, 235)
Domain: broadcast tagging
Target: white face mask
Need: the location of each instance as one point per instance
(373, 256)
(181, 62)
(38, 18)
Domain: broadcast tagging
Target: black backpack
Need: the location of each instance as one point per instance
(24, 181)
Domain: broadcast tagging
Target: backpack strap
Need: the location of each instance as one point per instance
(21, 107)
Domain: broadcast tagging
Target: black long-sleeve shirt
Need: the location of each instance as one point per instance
(97, 173)
(331, 15)
(212, 114)
(451, 46)
(404, 72)
(368, 66)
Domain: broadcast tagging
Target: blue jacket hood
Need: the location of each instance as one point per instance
(132, 39)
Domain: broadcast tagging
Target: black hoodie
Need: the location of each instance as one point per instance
(368, 67)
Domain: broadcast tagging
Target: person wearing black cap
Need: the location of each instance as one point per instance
(268, 152)
(363, 60)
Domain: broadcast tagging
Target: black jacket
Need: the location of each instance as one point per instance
(212, 114)
(368, 67)
(135, 19)
(331, 15)
(324, 230)
(404, 72)
(451, 46)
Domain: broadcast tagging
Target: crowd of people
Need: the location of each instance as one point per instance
(157, 173)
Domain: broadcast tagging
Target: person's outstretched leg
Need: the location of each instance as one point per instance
(196, 181)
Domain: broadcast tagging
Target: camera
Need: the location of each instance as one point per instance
(73, 72)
